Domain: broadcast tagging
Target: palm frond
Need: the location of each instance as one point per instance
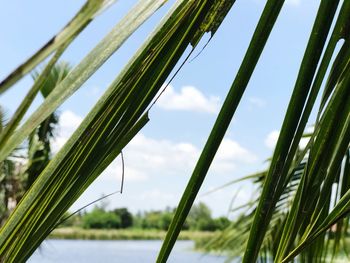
(77, 24)
(304, 196)
(78, 75)
(112, 123)
(288, 140)
(222, 122)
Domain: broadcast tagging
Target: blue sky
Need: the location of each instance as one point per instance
(160, 160)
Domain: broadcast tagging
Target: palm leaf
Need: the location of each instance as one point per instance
(111, 124)
(298, 202)
(82, 19)
(284, 153)
(222, 122)
(83, 70)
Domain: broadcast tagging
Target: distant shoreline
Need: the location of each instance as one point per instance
(123, 234)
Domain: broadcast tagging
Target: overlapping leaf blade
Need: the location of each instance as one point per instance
(222, 122)
(84, 16)
(115, 119)
(89, 65)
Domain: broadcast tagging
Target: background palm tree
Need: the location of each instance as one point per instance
(11, 182)
(332, 244)
(19, 171)
(39, 141)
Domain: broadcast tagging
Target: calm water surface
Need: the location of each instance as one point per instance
(89, 251)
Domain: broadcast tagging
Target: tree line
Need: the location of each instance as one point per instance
(199, 219)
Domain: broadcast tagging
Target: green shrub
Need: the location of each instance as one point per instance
(100, 219)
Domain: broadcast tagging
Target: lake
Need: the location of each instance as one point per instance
(89, 251)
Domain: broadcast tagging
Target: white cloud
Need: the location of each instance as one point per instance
(95, 91)
(156, 194)
(157, 168)
(304, 141)
(293, 2)
(188, 99)
(145, 157)
(271, 139)
(257, 102)
(68, 123)
(150, 156)
(153, 199)
(114, 172)
(230, 154)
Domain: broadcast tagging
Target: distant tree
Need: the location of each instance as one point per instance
(101, 219)
(138, 220)
(200, 218)
(126, 218)
(165, 220)
(151, 220)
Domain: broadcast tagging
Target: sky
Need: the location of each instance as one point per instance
(160, 159)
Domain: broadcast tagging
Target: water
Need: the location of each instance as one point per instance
(90, 251)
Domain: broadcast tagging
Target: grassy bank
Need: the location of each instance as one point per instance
(122, 234)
